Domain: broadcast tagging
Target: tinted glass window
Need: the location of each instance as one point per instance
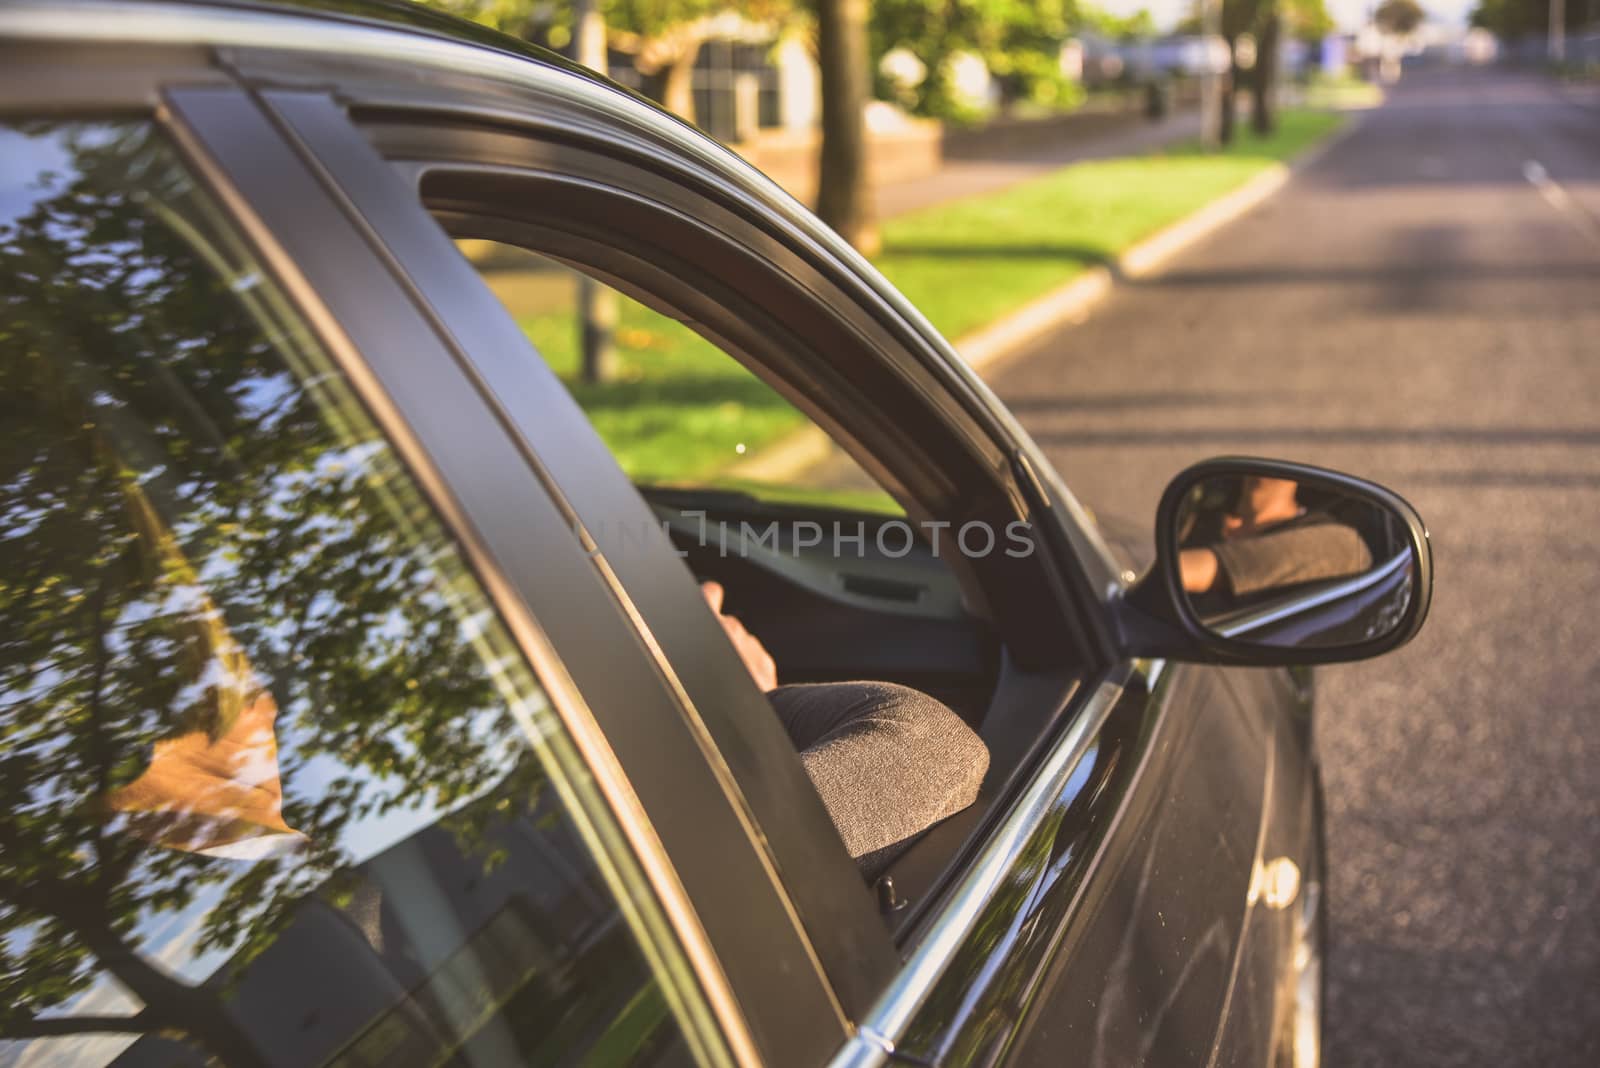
(275, 789)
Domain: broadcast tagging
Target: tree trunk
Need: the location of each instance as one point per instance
(195, 1011)
(169, 1003)
(597, 311)
(677, 82)
(597, 304)
(1264, 77)
(1227, 97)
(842, 197)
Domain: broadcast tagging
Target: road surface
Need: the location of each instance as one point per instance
(1422, 307)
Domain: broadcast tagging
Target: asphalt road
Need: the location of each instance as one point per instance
(1415, 309)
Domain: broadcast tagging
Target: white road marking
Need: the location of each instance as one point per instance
(1559, 199)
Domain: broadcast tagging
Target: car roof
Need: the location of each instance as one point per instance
(414, 17)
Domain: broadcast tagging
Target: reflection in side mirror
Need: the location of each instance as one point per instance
(1292, 562)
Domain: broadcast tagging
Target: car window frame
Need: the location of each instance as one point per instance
(831, 908)
(1042, 787)
(579, 109)
(846, 934)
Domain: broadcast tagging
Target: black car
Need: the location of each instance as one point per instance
(359, 706)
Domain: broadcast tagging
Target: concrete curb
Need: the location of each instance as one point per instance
(1071, 303)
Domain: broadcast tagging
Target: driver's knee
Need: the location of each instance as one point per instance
(889, 761)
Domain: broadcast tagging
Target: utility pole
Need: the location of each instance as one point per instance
(597, 304)
(1210, 78)
(1558, 30)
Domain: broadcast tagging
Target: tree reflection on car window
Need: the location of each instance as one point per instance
(274, 788)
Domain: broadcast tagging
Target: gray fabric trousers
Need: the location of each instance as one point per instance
(888, 761)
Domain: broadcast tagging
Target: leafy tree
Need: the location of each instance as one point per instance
(1239, 17)
(1122, 27)
(1264, 73)
(1511, 19)
(199, 523)
(662, 37)
(1398, 17)
(1265, 21)
(1307, 20)
(1020, 42)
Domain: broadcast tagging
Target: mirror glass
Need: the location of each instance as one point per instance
(1281, 562)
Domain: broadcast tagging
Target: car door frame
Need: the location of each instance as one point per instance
(1102, 771)
(662, 777)
(725, 920)
(851, 944)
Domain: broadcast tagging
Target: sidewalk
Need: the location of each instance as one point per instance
(957, 179)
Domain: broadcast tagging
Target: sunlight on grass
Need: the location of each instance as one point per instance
(679, 409)
(967, 263)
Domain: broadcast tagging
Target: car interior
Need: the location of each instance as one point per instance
(895, 616)
(983, 635)
(885, 608)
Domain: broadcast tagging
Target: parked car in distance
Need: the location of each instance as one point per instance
(359, 704)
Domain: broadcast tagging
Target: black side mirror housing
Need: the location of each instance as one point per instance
(1266, 562)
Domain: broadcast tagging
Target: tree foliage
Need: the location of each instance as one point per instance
(1019, 41)
(1307, 20)
(661, 37)
(1130, 27)
(1511, 19)
(1399, 16)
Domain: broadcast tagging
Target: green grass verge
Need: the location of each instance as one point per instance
(680, 410)
(968, 263)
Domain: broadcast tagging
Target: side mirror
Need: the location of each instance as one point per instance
(1268, 562)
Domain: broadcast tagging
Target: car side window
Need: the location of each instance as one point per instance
(676, 411)
(816, 592)
(276, 787)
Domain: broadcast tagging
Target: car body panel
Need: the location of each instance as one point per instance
(1118, 934)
